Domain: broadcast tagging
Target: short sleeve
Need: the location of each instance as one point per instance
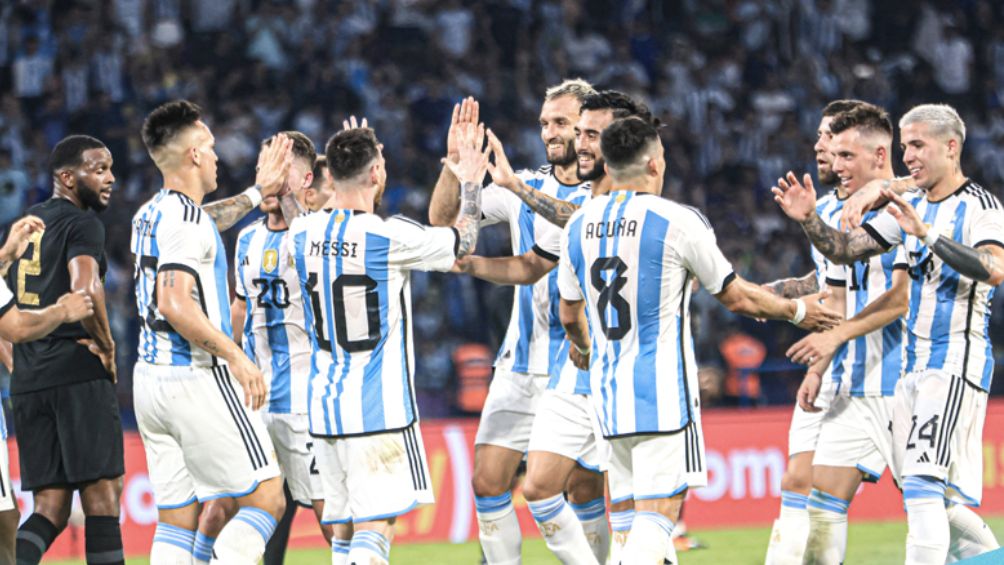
(86, 237)
(6, 298)
(568, 281)
(182, 245)
(422, 248)
(987, 227)
(884, 229)
(548, 243)
(238, 287)
(836, 275)
(498, 205)
(900, 261)
(700, 255)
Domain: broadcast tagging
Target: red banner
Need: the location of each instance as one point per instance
(746, 453)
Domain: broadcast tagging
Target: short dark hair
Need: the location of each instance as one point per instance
(69, 152)
(303, 147)
(840, 106)
(624, 140)
(350, 151)
(620, 104)
(866, 117)
(319, 165)
(166, 121)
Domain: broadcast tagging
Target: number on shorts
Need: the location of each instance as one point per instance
(313, 459)
(927, 432)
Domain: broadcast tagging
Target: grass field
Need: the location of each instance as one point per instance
(875, 543)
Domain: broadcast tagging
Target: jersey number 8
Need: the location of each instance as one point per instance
(610, 296)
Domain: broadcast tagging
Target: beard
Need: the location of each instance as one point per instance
(567, 158)
(827, 177)
(91, 199)
(594, 174)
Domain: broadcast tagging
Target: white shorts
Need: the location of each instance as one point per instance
(293, 447)
(373, 477)
(657, 466)
(565, 425)
(804, 430)
(507, 418)
(856, 433)
(938, 432)
(201, 442)
(7, 500)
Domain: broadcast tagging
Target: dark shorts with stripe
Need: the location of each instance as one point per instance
(68, 435)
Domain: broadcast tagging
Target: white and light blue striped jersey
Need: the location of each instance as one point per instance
(6, 303)
(632, 258)
(171, 232)
(869, 365)
(949, 316)
(354, 270)
(828, 207)
(535, 333)
(275, 337)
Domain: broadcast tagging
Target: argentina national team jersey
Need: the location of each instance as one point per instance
(274, 332)
(949, 316)
(869, 365)
(535, 333)
(6, 303)
(171, 232)
(828, 207)
(632, 258)
(354, 271)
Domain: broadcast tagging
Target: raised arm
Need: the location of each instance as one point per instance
(17, 240)
(273, 165)
(869, 197)
(743, 297)
(554, 210)
(85, 277)
(794, 287)
(470, 168)
(444, 204)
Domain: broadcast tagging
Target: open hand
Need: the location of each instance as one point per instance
(251, 380)
(472, 161)
(107, 357)
(868, 197)
(817, 316)
(464, 113)
(351, 123)
(20, 233)
(813, 347)
(273, 165)
(906, 215)
(501, 171)
(796, 199)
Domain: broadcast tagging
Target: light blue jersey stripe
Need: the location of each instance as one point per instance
(615, 320)
(524, 293)
(377, 250)
(221, 269)
(916, 291)
(650, 253)
(278, 341)
(892, 336)
(300, 244)
(578, 266)
(323, 292)
(243, 244)
(607, 372)
(947, 289)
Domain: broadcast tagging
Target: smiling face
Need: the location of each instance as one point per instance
(857, 158)
(587, 142)
(93, 179)
(928, 157)
(824, 158)
(557, 121)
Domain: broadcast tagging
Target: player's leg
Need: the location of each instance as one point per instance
(174, 538)
(51, 512)
(327, 530)
(833, 489)
(244, 537)
(621, 517)
(9, 514)
(341, 541)
(215, 514)
(102, 535)
(502, 438)
(335, 512)
(970, 535)
(585, 494)
(275, 549)
(651, 539)
(544, 488)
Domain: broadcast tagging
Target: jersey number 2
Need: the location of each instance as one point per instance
(338, 287)
(610, 296)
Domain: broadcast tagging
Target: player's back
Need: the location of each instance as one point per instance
(635, 256)
(354, 267)
(38, 279)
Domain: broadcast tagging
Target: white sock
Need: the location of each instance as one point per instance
(650, 541)
(202, 553)
(827, 530)
(928, 538)
(340, 551)
(498, 529)
(368, 547)
(791, 531)
(620, 524)
(243, 539)
(561, 530)
(970, 535)
(593, 516)
(171, 545)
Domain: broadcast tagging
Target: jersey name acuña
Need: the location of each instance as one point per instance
(632, 258)
(354, 271)
(172, 232)
(949, 314)
(534, 335)
(275, 335)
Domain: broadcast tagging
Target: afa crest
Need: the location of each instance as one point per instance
(270, 260)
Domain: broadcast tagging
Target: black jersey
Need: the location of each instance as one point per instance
(38, 279)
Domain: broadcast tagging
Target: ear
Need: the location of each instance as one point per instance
(881, 156)
(67, 178)
(308, 179)
(375, 173)
(652, 167)
(194, 153)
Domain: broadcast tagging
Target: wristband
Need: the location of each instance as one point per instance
(930, 238)
(799, 312)
(254, 195)
(583, 352)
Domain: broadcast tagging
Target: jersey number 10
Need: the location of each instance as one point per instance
(338, 287)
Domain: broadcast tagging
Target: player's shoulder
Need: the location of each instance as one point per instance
(973, 192)
(175, 208)
(249, 230)
(401, 228)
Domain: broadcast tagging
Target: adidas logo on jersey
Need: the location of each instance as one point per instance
(924, 458)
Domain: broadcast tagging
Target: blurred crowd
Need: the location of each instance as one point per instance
(737, 83)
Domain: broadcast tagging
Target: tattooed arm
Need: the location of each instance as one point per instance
(794, 287)
(469, 219)
(843, 248)
(554, 210)
(270, 176)
(291, 208)
(229, 211)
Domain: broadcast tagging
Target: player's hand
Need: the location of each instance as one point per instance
(501, 171)
(817, 316)
(273, 165)
(76, 306)
(20, 232)
(809, 391)
(351, 123)
(251, 380)
(866, 198)
(578, 359)
(906, 215)
(464, 113)
(107, 357)
(813, 347)
(472, 162)
(462, 265)
(796, 199)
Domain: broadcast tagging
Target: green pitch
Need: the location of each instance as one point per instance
(876, 543)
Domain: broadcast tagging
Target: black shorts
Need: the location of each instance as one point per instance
(68, 435)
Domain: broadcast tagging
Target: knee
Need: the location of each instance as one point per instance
(101, 498)
(796, 482)
(485, 485)
(275, 505)
(214, 516)
(58, 514)
(534, 490)
(585, 486)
